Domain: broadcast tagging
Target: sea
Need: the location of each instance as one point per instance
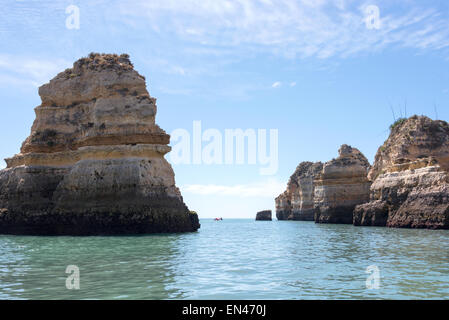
(231, 259)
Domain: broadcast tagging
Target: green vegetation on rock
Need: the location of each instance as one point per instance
(398, 122)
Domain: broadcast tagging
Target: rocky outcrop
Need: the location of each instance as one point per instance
(297, 202)
(326, 193)
(284, 206)
(341, 185)
(374, 213)
(263, 215)
(94, 162)
(410, 177)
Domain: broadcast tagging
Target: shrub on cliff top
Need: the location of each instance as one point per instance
(398, 122)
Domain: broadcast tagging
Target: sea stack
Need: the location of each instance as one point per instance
(340, 186)
(297, 202)
(94, 162)
(326, 193)
(264, 215)
(284, 206)
(410, 177)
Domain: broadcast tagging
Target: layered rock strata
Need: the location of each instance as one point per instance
(94, 162)
(297, 202)
(326, 193)
(264, 215)
(284, 206)
(340, 186)
(410, 177)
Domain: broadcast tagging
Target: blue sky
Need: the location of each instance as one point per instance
(313, 70)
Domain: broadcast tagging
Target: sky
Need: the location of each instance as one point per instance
(320, 73)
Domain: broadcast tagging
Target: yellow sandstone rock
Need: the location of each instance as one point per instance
(410, 179)
(94, 161)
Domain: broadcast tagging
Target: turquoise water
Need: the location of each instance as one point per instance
(232, 259)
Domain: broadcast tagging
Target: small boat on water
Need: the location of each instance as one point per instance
(218, 219)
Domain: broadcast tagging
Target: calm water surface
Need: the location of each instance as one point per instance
(232, 259)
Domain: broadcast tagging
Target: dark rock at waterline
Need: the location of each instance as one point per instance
(264, 215)
(374, 213)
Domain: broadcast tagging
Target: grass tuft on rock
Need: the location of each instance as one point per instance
(397, 123)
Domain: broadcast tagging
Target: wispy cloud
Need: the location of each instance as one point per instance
(167, 66)
(16, 70)
(266, 189)
(301, 28)
(277, 84)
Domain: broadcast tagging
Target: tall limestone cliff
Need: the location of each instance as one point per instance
(297, 202)
(410, 177)
(340, 186)
(284, 206)
(326, 193)
(94, 162)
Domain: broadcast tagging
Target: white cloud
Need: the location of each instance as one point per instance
(18, 70)
(292, 84)
(266, 189)
(304, 28)
(178, 70)
(277, 84)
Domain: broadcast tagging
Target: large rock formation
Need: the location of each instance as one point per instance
(341, 185)
(326, 193)
(263, 215)
(410, 177)
(297, 202)
(284, 206)
(94, 162)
